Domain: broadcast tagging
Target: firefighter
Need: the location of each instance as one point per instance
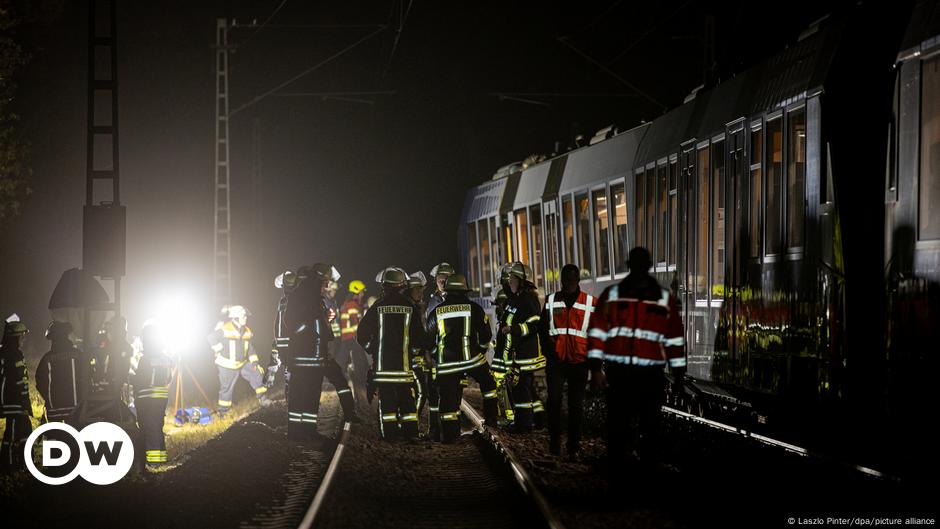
(391, 333)
(522, 351)
(351, 356)
(440, 273)
(565, 320)
(308, 359)
(14, 395)
(635, 331)
(461, 331)
(422, 361)
(111, 363)
(285, 283)
(151, 372)
(235, 356)
(63, 377)
(498, 365)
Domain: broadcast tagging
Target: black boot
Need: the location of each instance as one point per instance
(491, 412)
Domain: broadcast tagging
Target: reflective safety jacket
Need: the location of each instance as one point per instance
(281, 336)
(565, 322)
(332, 316)
(636, 323)
(436, 299)
(521, 347)
(62, 378)
(151, 374)
(232, 346)
(307, 322)
(111, 363)
(349, 318)
(14, 383)
(462, 333)
(390, 331)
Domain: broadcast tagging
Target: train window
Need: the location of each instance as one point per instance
(583, 205)
(796, 176)
(718, 218)
(522, 235)
(774, 165)
(640, 199)
(929, 226)
(567, 220)
(551, 247)
(651, 212)
(701, 199)
(754, 231)
(601, 232)
(508, 239)
(673, 212)
(619, 196)
(472, 255)
(535, 214)
(494, 251)
(486, 284)
(662, 217)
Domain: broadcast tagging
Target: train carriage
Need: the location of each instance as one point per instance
(762, 201)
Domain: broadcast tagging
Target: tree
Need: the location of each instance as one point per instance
(14, 152)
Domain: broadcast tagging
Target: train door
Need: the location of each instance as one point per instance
(552, 253)
(537, 248)
(737, 189)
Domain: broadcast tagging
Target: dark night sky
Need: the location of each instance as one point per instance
(361, 185)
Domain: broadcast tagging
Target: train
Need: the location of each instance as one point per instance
(794, 210)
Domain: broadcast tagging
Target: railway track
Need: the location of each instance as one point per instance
(474, 483)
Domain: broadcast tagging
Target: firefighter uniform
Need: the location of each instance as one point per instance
(522, 349)
(565, 321)
(285, 283)
(462, 333)
(420, 363)
(308, 359)
(235, 356)
(350, 353)
(112, 359)
(635, 331)
(391, 333)
(63, 377)
(14, 395)
(151, 373)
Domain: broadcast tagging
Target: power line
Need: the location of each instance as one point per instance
(322, 63)
(402, 18)
(265, 23)
(647, 33)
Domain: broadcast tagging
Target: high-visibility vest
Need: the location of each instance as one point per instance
(568, 328)
(233, 348)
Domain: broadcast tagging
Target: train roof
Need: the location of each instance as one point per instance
(923, 32)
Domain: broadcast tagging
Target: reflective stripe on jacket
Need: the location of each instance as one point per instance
(349, 318)
(462, 333)
(232, 347)
(567, 328)
(631, 329)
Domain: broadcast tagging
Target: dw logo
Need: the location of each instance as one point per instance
(102, 453)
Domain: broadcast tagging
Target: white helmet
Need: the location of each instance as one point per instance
(235, 311)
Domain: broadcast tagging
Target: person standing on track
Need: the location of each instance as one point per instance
(564, 324)
(391, 333)
(151, 373)
(462, 333)
(635, 331)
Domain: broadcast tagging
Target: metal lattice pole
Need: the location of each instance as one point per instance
(222, 266)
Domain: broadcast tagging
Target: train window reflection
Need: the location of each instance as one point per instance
(651, 212)
(567, 214)
(601, 231)
(701, 225)
(535, 213)
(619, 197)
(583, 204)
(718, 219)
(640, 199)
(494, 250)
(929, 225)
(662, 216)
(796, 176)
(774, 189)
(522, 235)
(754, 231)
(673, 213)
(486, 264)
(472, 254)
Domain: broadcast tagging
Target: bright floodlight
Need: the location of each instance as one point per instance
(180, 318)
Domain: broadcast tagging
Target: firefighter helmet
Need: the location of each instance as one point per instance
(356, 286)
(443, 268)
(14, 327)
(235, 311)
(58, 329)
(392, 276)
(325, 271)
(417, 279)
(285, 280)
(456, 283)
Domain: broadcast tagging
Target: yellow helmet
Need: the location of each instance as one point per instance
(356, 286)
